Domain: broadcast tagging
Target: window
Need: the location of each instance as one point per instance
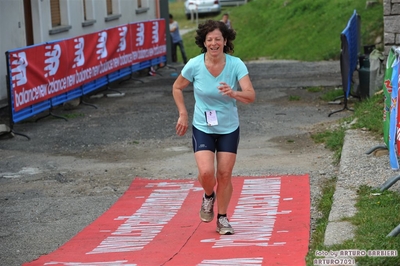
(88, 13)
(112, 10)
(59, 16)
(55, 13)
(142, 6)
(84, 11)
(109, 7)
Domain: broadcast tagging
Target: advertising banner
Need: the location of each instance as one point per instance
(38, 73)
(387, 91)
(394, 163)
(41, 72)
(351, 32)
(98, 54)
(154, 45)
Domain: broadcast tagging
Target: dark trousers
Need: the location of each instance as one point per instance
(174, 55)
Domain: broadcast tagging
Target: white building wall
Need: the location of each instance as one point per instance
(12, 35)
(12, 25)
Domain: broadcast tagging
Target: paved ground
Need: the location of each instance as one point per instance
(70, 172)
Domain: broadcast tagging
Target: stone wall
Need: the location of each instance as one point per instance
(391, 22)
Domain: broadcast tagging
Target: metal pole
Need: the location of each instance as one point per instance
(164, 13)
(395, 231)
(193, 9)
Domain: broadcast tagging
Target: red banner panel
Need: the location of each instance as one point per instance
(41, 72)
(148, 40)
(97, 54)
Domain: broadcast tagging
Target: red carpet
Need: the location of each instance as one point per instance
(156, 222)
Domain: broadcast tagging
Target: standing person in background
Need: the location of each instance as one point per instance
(225, 19)
(215, 127)
(176, 40)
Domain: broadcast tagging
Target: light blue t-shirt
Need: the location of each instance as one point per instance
(207, 96)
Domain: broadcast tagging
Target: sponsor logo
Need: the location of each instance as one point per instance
(79, 54)
(122, 41)
(18, 65)
(52, 60)
(140, 34)
(101, 45)
(154, 33)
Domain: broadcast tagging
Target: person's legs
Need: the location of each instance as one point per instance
(225, 164)
(206, 176)
(182, 48)
(204, 147)
(227, 146)
(205, 165)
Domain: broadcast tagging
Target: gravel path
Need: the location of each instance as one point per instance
(70, 172)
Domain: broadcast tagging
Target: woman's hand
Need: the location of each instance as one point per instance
(246, 93)
(225, 89)
(182, 125)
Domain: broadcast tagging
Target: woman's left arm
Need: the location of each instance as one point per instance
(247, 93)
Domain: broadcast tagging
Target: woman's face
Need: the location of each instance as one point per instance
(214, 42)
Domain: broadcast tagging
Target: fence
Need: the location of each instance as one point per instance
(43, 76)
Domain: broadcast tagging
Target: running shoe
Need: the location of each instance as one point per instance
(207, 209)
(223, 226)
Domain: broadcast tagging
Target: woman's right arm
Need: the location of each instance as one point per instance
(182, 124)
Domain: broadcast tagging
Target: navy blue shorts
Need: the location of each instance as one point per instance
(215, 142)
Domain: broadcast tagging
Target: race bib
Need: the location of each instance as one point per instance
(211, 118)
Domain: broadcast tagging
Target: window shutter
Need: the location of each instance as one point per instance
(109, 7)
(55, 13)
(84, 10)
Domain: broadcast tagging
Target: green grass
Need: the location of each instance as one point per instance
(380, 212)
(324, 206)
(377, 215)
(307, 30)
(333, 140)
(73, 115)
(369, 114)
(294, 98)
(332, 94)
(178, 11)
(314, 89)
